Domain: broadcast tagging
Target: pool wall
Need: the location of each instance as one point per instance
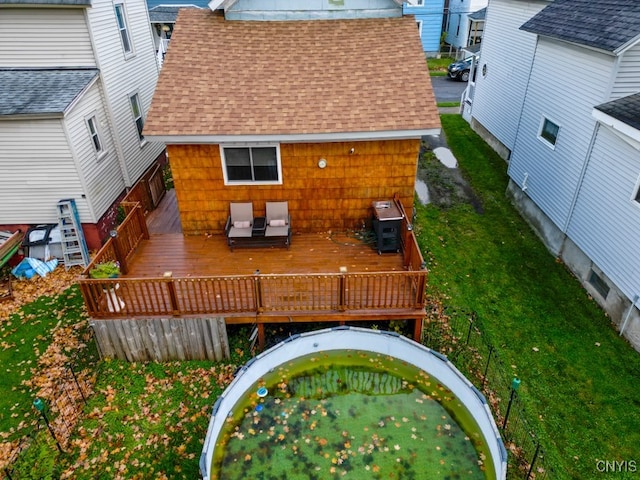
(356, 338)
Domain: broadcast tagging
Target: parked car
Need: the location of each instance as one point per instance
(460, 70)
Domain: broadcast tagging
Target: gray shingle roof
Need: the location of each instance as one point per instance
(625, 109)
(479, 15)
(41, 92)
(603, 24)
(163, 14)
(83, 3)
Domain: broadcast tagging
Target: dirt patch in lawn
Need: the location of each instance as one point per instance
(446, 186)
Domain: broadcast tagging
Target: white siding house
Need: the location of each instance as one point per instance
(67, 126)
(572, 136)
(459, 26)
(503, 71)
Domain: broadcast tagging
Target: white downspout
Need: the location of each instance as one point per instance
(626, 319)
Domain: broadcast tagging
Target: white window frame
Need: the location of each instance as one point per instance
(544, 140)
(222, 146)
(94, 134)
(120, 13)
(418, 3)
(136, 96)
(419, 22)
(635, 195)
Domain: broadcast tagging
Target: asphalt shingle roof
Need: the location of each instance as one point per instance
(604, 24)
(41, 92)
(625, 109)
(291, 77)
(151, 4)
(479, 15)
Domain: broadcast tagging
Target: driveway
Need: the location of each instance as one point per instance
(447, 90)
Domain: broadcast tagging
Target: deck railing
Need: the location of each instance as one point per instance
(246, 294)
(253, 294)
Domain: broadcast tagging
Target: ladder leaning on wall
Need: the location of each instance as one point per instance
(74, 245)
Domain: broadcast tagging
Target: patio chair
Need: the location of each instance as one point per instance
(240, 222)
(278, 221)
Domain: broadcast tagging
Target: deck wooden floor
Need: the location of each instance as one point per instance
(169, 251)
(309, 253)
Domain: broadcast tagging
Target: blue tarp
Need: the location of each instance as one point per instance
(28, 267)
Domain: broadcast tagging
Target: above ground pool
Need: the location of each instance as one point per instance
(351, 403)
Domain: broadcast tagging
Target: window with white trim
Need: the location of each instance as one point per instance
(92, 125)
(418, 3)
(136, 109)
(121, 19)
(246, 164)
(419, 23)
(636, 194)
(549, 131)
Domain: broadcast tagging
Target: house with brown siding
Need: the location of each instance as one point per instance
(353, 92)
(324, 112)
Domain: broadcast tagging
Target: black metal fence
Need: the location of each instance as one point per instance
(459, 335)
(55, 413)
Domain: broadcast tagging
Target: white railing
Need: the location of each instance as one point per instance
(162, 50)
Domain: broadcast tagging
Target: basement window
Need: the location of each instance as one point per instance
(598, 283)
(549, 132)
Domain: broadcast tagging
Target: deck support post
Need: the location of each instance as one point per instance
(261, 340)
(417, 329)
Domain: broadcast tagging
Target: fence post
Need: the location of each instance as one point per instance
(173, 296)
(486, 367)
(117, 249)
(142, 221)
(75, 379)
(470, 327)
(533, 461)
(342, 294)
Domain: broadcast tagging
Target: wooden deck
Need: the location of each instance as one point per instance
(168, 250)
(324, 276)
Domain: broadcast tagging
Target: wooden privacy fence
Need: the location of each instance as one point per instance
(254, 294)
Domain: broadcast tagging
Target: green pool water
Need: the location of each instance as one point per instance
(350, 414)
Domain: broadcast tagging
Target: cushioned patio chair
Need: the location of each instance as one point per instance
(240, 222)
(278, 221)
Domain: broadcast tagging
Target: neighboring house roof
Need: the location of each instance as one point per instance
(625, 109)
(42, 92)
(164, 14)
(152, 4)
(86, 3)
(291, 79)
(479, 15)
(609, 25)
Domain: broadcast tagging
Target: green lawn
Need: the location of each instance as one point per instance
(578, 376)
(438, 66)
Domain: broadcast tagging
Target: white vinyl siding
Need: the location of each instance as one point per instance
(38, 170)
(44, 37)
(507, 52)
(102, 179)
(553, 174)
(606, 220)
(121, 77)
(627, 80)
